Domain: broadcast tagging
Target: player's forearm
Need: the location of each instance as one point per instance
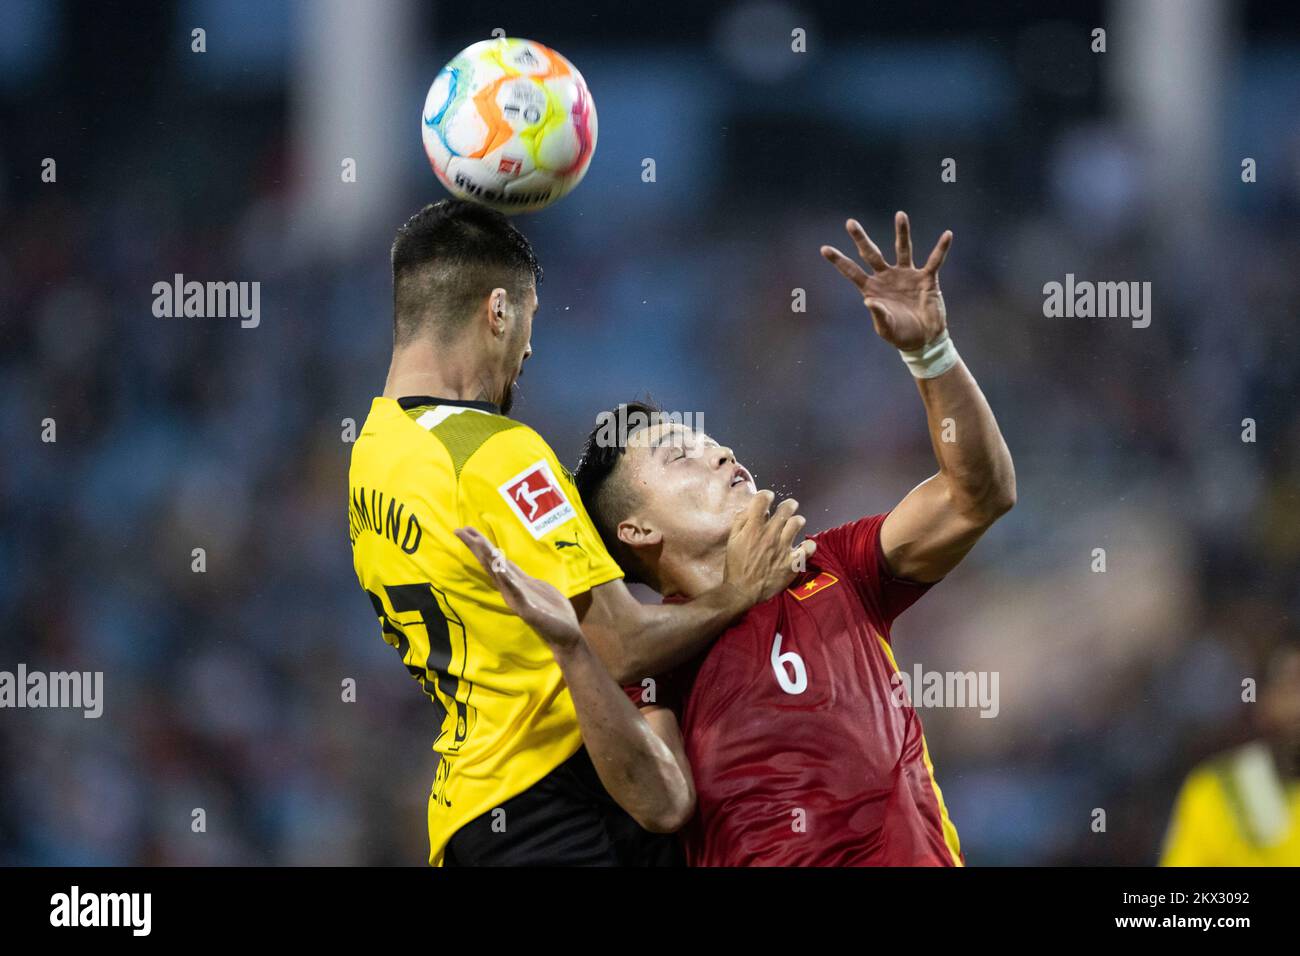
(638, 640)
(974, 461)
(635, 765)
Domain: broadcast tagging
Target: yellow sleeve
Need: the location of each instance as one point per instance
(1199, 818)
(515, 491)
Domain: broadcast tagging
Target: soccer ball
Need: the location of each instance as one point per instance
(509, 123)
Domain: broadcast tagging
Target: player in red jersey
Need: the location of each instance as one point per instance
(801, 751)
(791, 726)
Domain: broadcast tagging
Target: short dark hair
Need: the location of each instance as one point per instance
(607, 499)
(447, 258)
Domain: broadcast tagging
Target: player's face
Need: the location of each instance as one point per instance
(518, 346)
(689, 487)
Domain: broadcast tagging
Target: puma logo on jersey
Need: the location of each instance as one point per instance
(567, 544)
(537, 499)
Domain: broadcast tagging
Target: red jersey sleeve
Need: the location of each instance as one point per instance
(855, 547)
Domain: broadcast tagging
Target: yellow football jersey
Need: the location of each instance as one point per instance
(421, 468)
(1235, 810)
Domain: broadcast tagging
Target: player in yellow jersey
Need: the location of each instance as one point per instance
(515, 783)
(1242, 807)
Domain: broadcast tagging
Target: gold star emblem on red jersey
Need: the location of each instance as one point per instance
(810, 587)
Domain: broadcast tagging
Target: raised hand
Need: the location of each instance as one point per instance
(541, 605)
(905, 302)
(761, 560)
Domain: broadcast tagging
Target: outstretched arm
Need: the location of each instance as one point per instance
(939, 520)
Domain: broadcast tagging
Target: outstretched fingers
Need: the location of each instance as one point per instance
(867, 249)
(493, 559)
(903, 240)
(939, 253)
(846, 266)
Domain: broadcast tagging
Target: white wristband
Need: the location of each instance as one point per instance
(932, 359)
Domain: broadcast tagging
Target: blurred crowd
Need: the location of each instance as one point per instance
(223, 688)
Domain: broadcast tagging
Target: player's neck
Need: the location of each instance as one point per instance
(691, 577)
(419, 369)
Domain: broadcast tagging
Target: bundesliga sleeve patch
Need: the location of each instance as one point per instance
(537, 499)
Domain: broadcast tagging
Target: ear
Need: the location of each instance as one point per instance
(496, 311)
(636, 535)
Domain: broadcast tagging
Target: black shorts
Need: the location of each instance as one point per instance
(565, 819)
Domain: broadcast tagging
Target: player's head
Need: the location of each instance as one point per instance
(465, 281)
(662, 495)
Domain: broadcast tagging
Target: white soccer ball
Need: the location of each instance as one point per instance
(509, 123)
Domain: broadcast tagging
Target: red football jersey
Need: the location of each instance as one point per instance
(800, 754)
